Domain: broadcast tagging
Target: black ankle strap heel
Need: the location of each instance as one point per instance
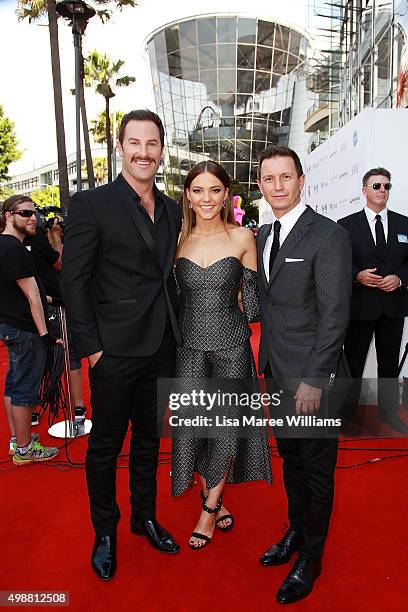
(212, 510)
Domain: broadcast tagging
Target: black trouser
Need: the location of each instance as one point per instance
(388, 335)
(308, 475)
(123, 389)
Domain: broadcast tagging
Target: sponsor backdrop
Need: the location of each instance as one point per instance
(375, 137)
(334, 170)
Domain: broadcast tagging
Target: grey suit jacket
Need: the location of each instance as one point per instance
(305, 307)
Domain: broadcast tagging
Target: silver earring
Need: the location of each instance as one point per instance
(223, 204)
(190, 204)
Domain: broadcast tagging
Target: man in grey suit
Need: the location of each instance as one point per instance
(304, 283)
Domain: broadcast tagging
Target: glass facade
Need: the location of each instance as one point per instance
(224, 89)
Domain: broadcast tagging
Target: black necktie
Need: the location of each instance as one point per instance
(380, 237)
(275, 245)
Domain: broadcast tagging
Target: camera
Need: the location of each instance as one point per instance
(55, 212)
(50, 222)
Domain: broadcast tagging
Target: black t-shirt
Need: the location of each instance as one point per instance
(44, 256)
(16, 263)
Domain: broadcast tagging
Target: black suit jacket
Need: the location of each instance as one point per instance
(366, 303)
(116, 294)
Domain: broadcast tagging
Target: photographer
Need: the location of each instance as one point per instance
(23, 328)
(46, 250)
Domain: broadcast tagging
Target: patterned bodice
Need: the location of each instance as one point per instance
(210, 317)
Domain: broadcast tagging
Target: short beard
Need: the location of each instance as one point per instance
(26, 231)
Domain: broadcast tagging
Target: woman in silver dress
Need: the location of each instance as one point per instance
(215, 264)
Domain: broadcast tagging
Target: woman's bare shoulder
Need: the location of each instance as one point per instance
(243, 235)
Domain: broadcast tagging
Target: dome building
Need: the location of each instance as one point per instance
(225, 87)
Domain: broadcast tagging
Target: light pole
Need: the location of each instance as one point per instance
(78, 13)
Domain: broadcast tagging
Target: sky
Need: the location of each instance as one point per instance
(25, 68)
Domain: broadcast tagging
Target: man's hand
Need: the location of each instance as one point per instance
(307, 399)
(56, 229)
(368, 278)
(389, 283)
(93, 359)
(49, 340)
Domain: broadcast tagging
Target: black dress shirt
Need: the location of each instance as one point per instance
(159, 227)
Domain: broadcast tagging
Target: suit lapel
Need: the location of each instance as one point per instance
(265, 231)
(300, 229)
(365, 229)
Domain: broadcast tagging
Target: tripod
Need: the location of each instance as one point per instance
(71, 427)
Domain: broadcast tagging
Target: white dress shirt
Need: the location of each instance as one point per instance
(371, 214)
(287, 222)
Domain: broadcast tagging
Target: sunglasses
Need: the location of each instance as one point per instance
(24, 212)
(377, 186)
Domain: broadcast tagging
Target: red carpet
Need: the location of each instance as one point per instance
(46, 538)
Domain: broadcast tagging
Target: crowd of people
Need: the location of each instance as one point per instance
(155, 291)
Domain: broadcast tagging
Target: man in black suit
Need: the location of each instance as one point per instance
(379, 298)
(121, 299)
(304, 289)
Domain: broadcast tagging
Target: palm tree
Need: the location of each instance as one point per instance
(34, 10)
(98, 126)
(104, 14)
(101, 169)
(101, 72)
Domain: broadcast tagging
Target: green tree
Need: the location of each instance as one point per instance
(49, 196)
(34, 10)
(5, 192)
(101, 170)
(8, 145)
(102, 73)
(98, 126)
(105, 8)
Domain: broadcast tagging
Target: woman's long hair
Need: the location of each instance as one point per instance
(189, 216)
(9, 206)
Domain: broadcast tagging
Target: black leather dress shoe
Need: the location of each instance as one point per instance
(157, 536)
(103, 557)
(282, 551)
(300, 580)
